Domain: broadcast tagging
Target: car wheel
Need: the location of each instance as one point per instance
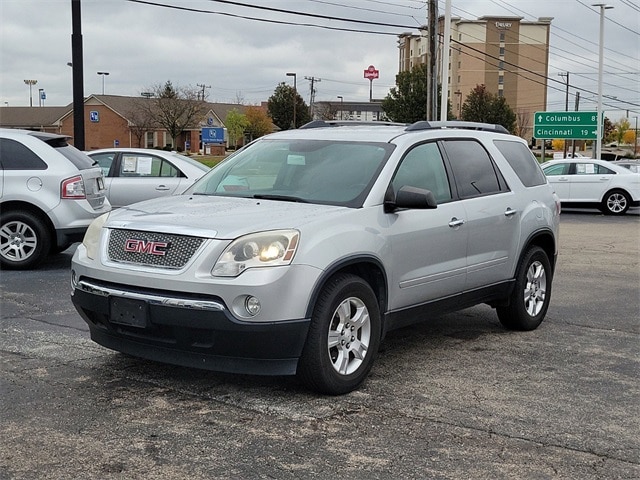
(529, 301)
(343, 337)
(615, 202)
(24, 240)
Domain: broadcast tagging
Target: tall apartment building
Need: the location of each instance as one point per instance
(509, 55)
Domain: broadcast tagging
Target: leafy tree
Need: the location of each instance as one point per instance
(620, 129)
(629, 137)
(280, 107)
(483, 106)
(175, 109)
(609, 130)
(259, 123)
(236, 124)
(407, 101)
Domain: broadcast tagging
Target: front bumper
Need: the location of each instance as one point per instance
(188, 330)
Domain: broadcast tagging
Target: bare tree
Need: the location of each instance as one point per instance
(141, 120)
(175, 109)
(523, 123)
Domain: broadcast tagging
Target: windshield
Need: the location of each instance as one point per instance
(313, 171)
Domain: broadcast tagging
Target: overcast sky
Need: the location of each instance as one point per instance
(238, 55)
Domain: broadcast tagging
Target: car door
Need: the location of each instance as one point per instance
(141, 176)
(589, 181)
(428, 247)
(558, 175)
(493, 212)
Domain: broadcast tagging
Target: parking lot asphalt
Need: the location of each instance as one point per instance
(457, 397)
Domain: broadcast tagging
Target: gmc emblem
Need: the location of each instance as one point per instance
(135, 245)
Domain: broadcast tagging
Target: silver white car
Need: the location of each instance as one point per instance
(592, 183)
(297, 254)
(49, 194)
(136, 174)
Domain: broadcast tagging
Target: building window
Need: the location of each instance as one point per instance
(500, 79)
(502, 36)
(502, 51)
(149, 140)
(500, 93)
(500, 65)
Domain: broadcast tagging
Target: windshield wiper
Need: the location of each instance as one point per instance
(285, 198)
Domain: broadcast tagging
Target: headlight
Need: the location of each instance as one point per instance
(91, 239)
(265, 249)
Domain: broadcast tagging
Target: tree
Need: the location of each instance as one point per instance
(141, 120)
(259, 123)
(620, 129)
(236, 124)
(483, 106)
(175, 109)
(407, 101)
(280, 107)
(629, 137)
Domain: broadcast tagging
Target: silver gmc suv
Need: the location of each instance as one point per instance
(49, 194)
(300, 252)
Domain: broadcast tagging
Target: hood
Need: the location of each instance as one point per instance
(217, 217)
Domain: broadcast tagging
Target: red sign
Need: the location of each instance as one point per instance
(371, 73)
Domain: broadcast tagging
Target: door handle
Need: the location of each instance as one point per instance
(509, 212)
(456, 222)
(162, 187)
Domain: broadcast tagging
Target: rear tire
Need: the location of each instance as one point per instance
(615, 202)
(343, 337)
(24, 240)
(529, 301)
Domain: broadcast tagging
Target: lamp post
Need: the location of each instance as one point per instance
(295, 96)
(31, 83)
(635, 140)
(603, 7)
(103, 74)
(341, 104)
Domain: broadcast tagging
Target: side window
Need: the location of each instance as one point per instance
(558, 169)
(473, 170)
(168, 170)
(592, 169)
(133, 165)
(423, 167)
(604, 170)
(522, 162)
(104, 160)
(15, 156)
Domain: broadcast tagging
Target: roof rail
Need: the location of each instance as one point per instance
(343, 123)
(428, 125)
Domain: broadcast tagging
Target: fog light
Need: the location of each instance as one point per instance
(252, 305)
(74, 281)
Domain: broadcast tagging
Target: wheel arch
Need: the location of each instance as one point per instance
(366, 267)
(546, 240)
(19, 206)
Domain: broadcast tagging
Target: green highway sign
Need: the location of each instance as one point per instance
(568, 125)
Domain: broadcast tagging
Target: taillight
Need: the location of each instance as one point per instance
(73, 188)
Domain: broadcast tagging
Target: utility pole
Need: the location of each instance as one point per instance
(78, 81)
(566, 108)
(312, 95)
(573, 143)
(432, 72)
(202, 86)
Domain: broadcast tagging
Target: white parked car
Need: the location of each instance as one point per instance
(591, 183)
(135, 174)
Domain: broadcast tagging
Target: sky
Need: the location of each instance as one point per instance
(240, 53)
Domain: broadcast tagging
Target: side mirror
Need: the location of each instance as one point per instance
(409, 198)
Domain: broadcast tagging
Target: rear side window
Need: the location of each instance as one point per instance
(473, 170)
(522, 161)
(75, 156)
(15, 156)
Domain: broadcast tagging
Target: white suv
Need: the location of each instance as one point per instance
(298, 253)
(49, 194)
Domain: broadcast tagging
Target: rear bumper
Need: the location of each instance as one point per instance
(191, 331)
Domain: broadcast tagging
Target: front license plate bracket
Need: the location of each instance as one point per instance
(127, 311)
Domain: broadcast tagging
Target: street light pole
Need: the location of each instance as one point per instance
(600, 135)
(31, 83)
(295, 96)
(103, 74)
(341, 104)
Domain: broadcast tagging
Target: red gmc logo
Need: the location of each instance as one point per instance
(143, 246)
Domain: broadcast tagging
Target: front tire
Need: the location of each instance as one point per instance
(343, 337)
(529, 301)
(24, 240)
(615, 202)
